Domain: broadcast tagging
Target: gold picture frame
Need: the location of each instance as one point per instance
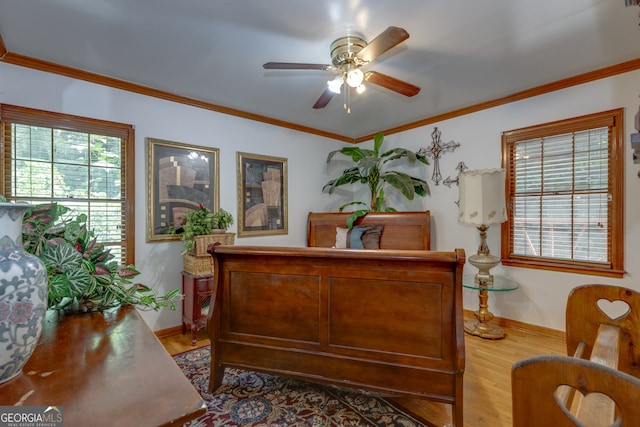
(262, 195)
(180, 178)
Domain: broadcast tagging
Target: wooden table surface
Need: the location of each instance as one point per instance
(104, 369)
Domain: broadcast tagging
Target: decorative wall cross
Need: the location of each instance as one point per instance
(436, 150)
(460, 168)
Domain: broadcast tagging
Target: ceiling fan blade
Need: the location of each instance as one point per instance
(387, 39)
(296, 66)
(324, 99)
(404, 88)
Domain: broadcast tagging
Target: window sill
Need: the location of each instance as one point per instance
(590, 270)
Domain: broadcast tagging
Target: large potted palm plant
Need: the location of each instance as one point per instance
(373, 168)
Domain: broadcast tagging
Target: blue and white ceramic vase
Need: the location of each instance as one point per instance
(23, 294)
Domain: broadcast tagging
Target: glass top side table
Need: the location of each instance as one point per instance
(482, 326)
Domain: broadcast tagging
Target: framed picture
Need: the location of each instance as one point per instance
(262, 195)
(180, 178)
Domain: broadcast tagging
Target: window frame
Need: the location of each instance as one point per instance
(613, 119)
(29, 116)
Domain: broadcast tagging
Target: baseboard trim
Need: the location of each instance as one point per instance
(169, 332)
(515, 324)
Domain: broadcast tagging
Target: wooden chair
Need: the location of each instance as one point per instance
(535, 384)
(602, 324)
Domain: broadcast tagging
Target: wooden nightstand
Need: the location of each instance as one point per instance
(196, 302)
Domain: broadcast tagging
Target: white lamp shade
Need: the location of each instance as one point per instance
(482, 198)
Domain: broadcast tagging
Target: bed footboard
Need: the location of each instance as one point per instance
(388, 321)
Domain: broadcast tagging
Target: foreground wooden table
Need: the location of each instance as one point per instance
(104, 368)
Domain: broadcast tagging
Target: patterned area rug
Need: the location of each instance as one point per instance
(252, 399)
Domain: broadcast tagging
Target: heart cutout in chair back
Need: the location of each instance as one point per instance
(615, 310)
(576, 398)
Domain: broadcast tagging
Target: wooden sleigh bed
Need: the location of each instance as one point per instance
(388, 320)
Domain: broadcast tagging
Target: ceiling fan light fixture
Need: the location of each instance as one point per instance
(355, 77)
(348, 54)
(335, 84)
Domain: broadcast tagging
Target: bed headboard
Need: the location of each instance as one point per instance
(402, 230)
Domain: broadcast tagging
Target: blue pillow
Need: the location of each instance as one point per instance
(354, 237)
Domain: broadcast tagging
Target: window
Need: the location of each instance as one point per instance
(85, 164)
(565, 195)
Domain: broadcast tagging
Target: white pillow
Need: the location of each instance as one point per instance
(341, 237)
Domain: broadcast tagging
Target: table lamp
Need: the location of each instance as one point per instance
(482, 203)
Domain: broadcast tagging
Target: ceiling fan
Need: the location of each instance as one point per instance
(348, 54)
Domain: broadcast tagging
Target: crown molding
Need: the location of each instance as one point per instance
(579, 79)
(36, 64)
(50, 67)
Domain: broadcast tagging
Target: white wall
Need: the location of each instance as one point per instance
(542, 296)
(161, 263)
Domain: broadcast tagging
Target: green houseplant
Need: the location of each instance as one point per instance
(373, 168)
(82, 272)
(201, 222)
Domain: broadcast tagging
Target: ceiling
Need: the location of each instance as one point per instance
(460, 53)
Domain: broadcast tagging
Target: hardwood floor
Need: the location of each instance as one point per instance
(487, 377)
(182, 342)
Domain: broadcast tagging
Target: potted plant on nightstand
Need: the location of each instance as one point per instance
(201, 228)
(199, 223)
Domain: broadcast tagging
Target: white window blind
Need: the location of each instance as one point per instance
(79, 163)
(565, 196)
(561, 196)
